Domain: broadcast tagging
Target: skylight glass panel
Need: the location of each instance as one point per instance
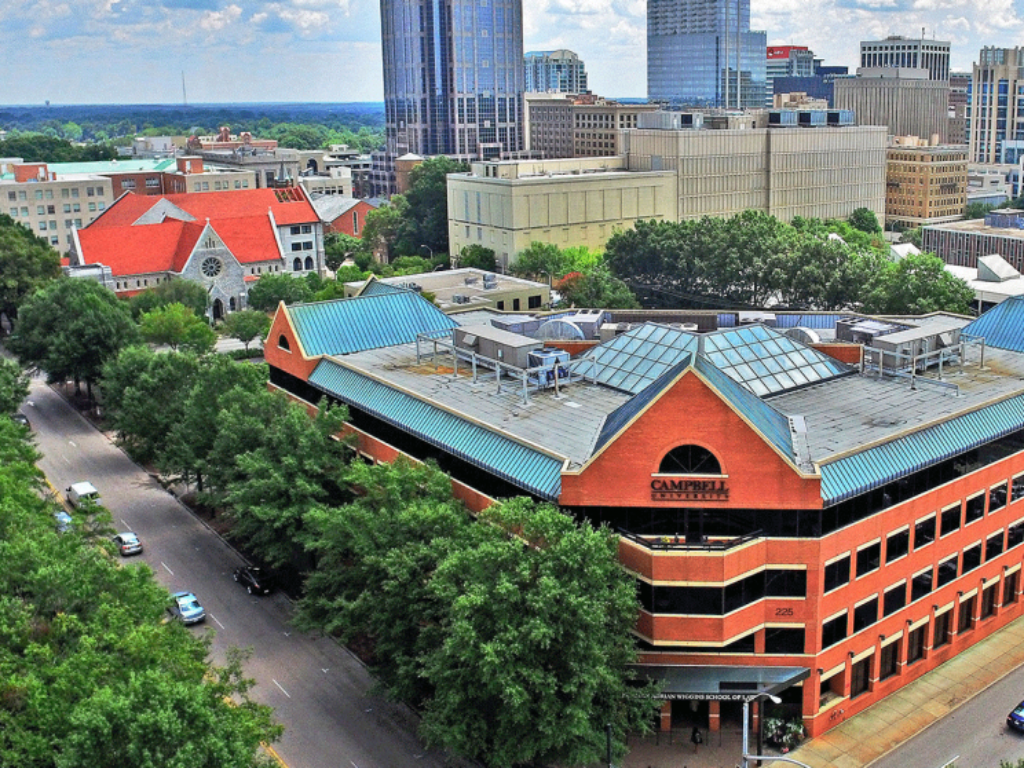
(758, 387)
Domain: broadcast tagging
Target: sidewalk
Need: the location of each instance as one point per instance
(867, 736)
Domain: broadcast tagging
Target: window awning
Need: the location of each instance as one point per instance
(711, 683)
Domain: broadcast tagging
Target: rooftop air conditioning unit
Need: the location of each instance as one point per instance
(415, 287)
(460, 298)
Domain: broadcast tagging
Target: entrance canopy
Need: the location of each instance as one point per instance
(709, 683)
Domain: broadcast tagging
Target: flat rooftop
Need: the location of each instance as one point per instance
(467, 282)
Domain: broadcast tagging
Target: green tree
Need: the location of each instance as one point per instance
(375, 557)
(278, 465)
(912, 236)
(174, 291)
(188, 451)
(541, 259)
(270, 290)
(916, 285)
(133, 384)
(865, 220)
(479, 257)
(70, 328)
(338, 247)
(246, 326)
(822, 274)
(597, 290)
(13, 387)
(536, 645)
(91, 677)
(27, 263)
(382, 232)
(978, 210)
(175, 325)
(426, 221)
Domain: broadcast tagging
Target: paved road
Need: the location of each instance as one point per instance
(318, 690)
(976, 732)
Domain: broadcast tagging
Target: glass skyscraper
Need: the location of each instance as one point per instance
(453, 77)
(702, 53)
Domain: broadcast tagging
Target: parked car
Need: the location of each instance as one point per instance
(128, 544)
(79, 493)
(64, 521)
(255, 580)
(1016, 718)
(186, 608)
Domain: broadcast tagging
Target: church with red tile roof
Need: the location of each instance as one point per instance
(223, 240)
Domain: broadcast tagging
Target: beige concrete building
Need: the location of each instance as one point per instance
(52, 206)
(821, 172)
(582, 126)
(506, 205)
(925, 185)
(904, 99)
(993, 123)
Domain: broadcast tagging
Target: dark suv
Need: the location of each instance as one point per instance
(255, 580)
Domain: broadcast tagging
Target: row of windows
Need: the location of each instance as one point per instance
(303, 229)
(719, 601)
(47, 194)
(304, 245)
(837, 573)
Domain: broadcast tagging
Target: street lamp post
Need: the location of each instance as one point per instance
(431, 250)
(746, 725)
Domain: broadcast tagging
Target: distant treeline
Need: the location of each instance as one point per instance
(302, 126)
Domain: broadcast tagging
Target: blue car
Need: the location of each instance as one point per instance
(1016, 718)
(186, 608)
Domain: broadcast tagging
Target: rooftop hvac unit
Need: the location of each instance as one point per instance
(472, 280)
(550, 359)
(414, 287)
(748, 318)
(460, 298)
(803, 335)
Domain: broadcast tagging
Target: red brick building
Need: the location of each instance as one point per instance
(797, 524)
(344, 215)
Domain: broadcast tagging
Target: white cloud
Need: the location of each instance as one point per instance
(213, 21)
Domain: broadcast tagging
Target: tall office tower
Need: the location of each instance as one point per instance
(995, 108)
(907, 53)
(453, 77)
(702, 53)
(559, 71)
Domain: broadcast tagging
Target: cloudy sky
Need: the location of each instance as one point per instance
(134, 51)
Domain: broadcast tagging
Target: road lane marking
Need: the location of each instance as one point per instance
(324, 670)
(126, 524)
(72, 443)
(218, 622)
(273, 753)
(282, 688)
(165, 566)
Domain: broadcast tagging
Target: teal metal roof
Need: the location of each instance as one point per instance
(766, 361)
(529, 469)
(632, 361)
(366, 322)
(376, 288)
(1002, 326)
(873, 468)
(768, 421)
(622, 415)
(123, 165)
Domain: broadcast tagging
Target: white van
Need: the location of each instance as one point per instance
(80, 492)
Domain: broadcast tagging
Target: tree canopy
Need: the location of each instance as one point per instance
(753, 259)
(91, 677)
(426, 221)
(70, 328)
(176, 325)
(270, 290)
(174, 291)
(246, 325)
(478, 256)
(13, 387)
(27, 262)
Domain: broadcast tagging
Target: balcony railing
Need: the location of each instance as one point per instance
(681, 543)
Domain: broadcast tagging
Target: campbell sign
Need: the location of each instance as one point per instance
(688, 489)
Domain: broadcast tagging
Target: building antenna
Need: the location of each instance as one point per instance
(184, 97)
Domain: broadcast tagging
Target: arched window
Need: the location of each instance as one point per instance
(309, 262)
(282, 343)
(297, 265)
(690, 460)
(231, 304)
